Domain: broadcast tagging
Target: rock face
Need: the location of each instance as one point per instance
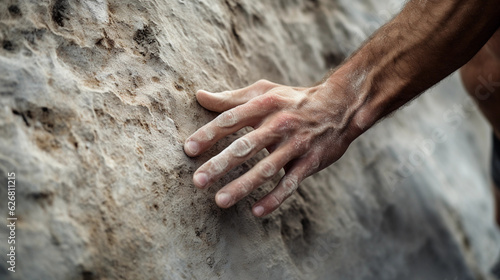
(97, 97)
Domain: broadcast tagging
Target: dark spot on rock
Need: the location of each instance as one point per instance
(39, 195)
(110, 235)
(72, 140)
(17, 113)
(8, 87)
(111, 42)
(54, 121)
(265, 222)
(155, 206)
(178, 87)
(155, 79)
(303, 194)
(8, 46)
(392, 221)
(59, 11)
(106, 42)
(42, 197)
(235, 33)
(186, 85)
(100, 42)
(15, 11)
(158, 107)
(32, 35)
(313, 3)
(104, 118)
(306, 226)
(144, 36)
(285, 231)
(137, 81)
(210, 262)
(88, 275)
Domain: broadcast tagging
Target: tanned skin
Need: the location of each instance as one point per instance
(307, 129)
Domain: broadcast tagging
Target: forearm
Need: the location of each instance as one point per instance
(426, 42)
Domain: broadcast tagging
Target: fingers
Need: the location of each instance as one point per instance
(254, 178)
(225, 124)
(288, 184)
(238, 152)
(223, 101)
(230, 121)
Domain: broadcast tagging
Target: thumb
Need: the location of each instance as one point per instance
(223, 101)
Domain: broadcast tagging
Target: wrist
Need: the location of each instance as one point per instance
(355, 85)
(374, 84)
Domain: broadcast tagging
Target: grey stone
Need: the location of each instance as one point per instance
(97, 97)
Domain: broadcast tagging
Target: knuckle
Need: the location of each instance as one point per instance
(269, 100)
(226, 119)
(267, 169)
(314, 162)
(262, 82)
(223, 98)
(273, 97)
(285, 122)
(275, 201)
(266, 84)
(289, 186)
(217, 165)
(242, 147)
(301, 144)
(243, 188)
(271, 134)
(204, 134)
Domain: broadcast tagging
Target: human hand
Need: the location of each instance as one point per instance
(304, 130)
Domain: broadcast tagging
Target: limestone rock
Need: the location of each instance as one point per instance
(97, 97)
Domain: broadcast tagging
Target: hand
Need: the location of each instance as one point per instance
(304, 129)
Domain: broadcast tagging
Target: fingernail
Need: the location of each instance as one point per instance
(200, 179)
(223, 199)
(258, 211)
(192, 147)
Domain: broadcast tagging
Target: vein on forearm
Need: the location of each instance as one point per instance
(426, 42)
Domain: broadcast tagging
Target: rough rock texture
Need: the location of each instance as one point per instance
(97, 97)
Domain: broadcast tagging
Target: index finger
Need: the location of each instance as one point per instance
(248, 114)
(222, 101)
